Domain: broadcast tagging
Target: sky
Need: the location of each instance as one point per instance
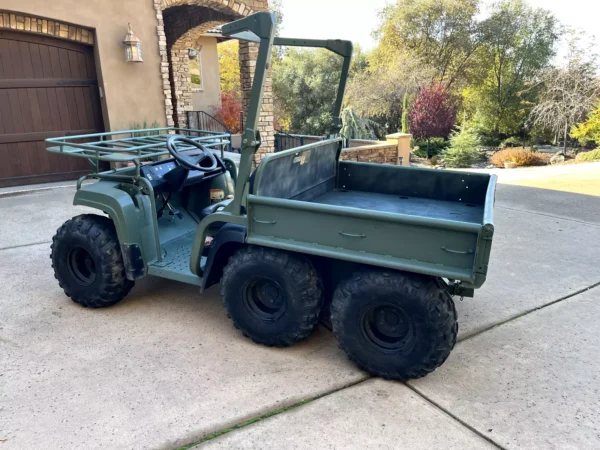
(355, 19)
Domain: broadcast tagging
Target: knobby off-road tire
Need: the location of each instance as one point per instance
(87, 262)
(274, 297)
(392, 324)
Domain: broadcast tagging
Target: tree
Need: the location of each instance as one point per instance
(464, 147)
(305, 84)
(356, 127)
(432, 114)
(378, 91)
(229, 111)
(516, 43)
(229, 66)
(275, 6)
(588, 131)
(568, 93)
(442, 34)
(405, 113)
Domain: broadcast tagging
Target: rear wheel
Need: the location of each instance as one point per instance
(273, 297)
(393, 324)
(87, 262)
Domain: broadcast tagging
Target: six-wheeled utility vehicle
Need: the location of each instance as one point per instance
(381, 248)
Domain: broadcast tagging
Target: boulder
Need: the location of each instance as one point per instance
(557, 158)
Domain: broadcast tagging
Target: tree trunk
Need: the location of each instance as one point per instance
(565, 136)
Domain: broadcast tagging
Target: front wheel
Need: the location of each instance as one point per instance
(87, 261)
(392, 324)
(274, 297)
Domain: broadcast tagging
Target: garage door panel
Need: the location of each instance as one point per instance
(48, 90)
(4, 59)
(90, 65)
(75, 65)
(29, 159)
(26, 115)
(65, 65)
(36, 60)
(72, 108)
(47, 69)
(57, 123)
(81, 108)
(44, 161)
(53, 160)
(4, 172)
(36, 116)
(63, 109)
(26, 59)
(15, 57)
(89, 108)
(16, 122)
(55, 62)
(46, 112)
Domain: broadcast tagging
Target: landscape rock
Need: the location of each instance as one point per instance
(557, 158)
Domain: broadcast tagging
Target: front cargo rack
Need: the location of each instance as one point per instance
(131, 146)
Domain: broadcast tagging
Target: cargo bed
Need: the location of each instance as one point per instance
(435, 222)
(415, 206)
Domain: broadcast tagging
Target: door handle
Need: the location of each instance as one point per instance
(352, 235)
(457, 252)
(266, 222)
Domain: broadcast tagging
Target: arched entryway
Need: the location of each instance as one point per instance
(181, 24)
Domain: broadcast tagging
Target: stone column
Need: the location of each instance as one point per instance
(248, 55)
(403, 142)
(164, 63)
(180, 78)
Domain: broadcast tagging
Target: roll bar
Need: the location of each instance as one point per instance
(259, 28)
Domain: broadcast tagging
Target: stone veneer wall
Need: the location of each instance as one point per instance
(384, 153)
(53, 28)
(181, 36)
(248, 56)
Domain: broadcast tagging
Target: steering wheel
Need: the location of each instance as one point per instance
(188, 161)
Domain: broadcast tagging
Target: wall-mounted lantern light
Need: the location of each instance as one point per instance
(192, 53)
(133, 47)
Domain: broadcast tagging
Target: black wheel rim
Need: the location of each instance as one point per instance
(81, 266)
(389, 329)
(264, 299)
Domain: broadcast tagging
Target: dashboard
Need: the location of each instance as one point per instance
(155, 173)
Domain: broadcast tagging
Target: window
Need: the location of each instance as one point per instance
(196, 69)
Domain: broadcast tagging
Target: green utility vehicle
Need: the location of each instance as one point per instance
(381, 248)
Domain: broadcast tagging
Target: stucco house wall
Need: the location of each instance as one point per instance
(132, 92)
(210, 95)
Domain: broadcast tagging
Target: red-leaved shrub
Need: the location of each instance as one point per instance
(229, 111)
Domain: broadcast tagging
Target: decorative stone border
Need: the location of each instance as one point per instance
(50, 27)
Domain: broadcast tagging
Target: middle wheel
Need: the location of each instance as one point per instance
(274, 297)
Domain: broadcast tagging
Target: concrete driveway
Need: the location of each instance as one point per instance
(165, 368)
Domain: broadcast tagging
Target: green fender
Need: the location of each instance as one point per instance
(131, 212)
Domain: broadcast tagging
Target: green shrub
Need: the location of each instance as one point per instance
(490, 141)
(593, 155)
(465, 148)
(435, 160)
(512, 141)
(195, 79)
(436, 147)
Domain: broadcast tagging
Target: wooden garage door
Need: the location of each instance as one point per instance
(48, 88)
